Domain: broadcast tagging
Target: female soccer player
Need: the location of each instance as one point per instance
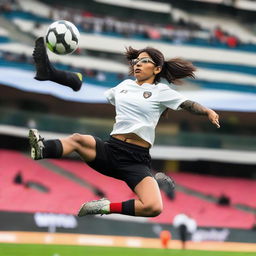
(139, 104)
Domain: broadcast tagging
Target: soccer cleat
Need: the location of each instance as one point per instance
(94, 207)
(42, 63)
(161, 177)
(36, 143)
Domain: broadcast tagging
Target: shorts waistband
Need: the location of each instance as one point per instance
(128, 145)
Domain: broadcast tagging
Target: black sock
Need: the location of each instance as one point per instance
(128, 207)
(67, 78)
(52, 149)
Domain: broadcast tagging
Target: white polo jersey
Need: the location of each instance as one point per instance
(139, 107)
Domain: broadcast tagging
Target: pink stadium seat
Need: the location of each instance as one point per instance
(206, 213)
(238, 189)
(65, 196)
(115, 189)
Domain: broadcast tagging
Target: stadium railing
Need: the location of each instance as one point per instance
(102, 127)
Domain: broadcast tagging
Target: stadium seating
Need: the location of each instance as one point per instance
(173, 35)
(205, 213)
(4, 35)
(211, 74)
(113, 188)
(169, 33)
(225, 81)
(65, 196)
(237, 189)
(237, 77)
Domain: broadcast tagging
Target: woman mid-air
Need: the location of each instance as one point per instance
(138, 104)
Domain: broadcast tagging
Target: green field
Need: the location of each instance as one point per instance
(65, 250)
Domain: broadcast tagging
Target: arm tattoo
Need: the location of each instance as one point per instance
(194, 107)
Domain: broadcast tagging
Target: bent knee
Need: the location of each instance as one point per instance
(153, 210)
(85, 141)
(76, 137)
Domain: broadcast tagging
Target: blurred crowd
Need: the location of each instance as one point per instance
(177, 32)
(93, 23)
(220, 36)
(8, 5)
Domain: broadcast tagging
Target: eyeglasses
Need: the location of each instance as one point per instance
(142, 60)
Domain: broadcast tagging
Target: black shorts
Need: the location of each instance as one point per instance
(122, 160)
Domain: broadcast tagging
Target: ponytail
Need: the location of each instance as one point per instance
(175, 69)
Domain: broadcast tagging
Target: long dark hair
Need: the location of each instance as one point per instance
(172, 70)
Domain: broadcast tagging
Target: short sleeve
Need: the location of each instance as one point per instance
(110, 95)
(171, 98)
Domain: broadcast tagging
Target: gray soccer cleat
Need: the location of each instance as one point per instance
(36, 144)
(162, 177)
(94, 207)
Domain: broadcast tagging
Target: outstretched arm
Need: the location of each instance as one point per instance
(195, 108)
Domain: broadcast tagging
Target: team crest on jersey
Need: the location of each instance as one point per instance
(147, 94)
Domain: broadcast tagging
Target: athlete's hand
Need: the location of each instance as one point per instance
(213, 117)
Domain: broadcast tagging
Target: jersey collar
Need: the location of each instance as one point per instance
(145, 85)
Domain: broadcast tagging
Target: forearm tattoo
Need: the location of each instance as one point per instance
(194, 107)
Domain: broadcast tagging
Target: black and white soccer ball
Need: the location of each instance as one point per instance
(62, 37)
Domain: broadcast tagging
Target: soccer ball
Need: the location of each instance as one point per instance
(62, 37)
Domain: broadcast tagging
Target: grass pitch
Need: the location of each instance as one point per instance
(66, 250)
